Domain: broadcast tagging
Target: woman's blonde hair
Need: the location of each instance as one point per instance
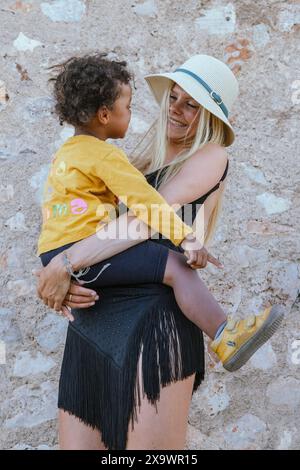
(150, 153)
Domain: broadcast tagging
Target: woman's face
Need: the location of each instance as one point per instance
(184, 114)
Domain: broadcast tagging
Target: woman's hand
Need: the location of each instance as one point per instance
(79, 296)
(53, 283)
(55, 288)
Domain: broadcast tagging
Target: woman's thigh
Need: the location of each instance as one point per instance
(75, 435)
(165, 426)
(158, 428)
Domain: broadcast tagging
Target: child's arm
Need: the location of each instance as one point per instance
(132, 188)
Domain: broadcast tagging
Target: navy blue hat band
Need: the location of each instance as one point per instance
(217, 98)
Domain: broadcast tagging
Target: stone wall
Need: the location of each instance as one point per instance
(258, 234)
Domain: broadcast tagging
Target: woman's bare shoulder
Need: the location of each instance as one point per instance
(198, 175)
(213, 155)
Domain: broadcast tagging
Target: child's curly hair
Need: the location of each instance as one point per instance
(85, 84)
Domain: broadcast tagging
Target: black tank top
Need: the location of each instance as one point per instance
(194, 205)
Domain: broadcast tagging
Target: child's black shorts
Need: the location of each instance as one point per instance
(142, 263)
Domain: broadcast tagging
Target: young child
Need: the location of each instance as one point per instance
(94, 94)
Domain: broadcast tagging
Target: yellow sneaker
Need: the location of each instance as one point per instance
(241, 338)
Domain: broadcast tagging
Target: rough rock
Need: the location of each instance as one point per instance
(219, 20)
(64, 10)
(273, 204)
(247, 433)
(30, 406)
(24, 43)
(51, 332)
(27, 365)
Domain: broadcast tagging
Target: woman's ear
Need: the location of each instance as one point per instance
(103, 115)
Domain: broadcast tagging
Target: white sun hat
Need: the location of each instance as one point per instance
(208, 81)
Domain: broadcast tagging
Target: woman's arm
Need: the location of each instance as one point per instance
(117, 236)
(199, 174)
(54, 281)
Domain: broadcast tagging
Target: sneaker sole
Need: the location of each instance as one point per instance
(267, 330)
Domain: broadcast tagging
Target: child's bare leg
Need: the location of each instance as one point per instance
(192, 296)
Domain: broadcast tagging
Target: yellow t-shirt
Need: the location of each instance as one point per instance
(86, 179)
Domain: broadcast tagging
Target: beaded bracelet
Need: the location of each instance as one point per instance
(81, 272)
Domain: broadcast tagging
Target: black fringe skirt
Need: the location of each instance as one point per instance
(99, 380)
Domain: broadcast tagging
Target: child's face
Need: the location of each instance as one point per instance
(120, 114)
(184, 114)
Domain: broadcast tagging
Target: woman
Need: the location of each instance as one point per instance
(134, 349)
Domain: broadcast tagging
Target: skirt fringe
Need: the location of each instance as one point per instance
(105, 396)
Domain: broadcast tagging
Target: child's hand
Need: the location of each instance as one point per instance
(203, 257)
(197, 254)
